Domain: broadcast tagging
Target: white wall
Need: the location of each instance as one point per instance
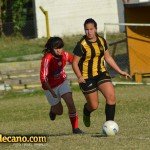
(66, 17)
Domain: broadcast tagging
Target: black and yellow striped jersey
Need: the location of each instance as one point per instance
(92, 56)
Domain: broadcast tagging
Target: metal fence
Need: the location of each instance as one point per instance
(137, 35)
(28, 30)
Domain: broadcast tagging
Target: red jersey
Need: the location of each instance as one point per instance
(52, 69)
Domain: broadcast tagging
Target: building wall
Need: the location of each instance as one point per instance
(120, 10)
(66, 17)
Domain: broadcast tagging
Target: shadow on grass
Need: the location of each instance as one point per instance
(70, 134)
(59, 134)
(99, 135)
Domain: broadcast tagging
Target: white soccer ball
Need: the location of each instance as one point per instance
(110, 128)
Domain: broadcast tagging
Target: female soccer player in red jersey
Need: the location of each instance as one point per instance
(54, 82)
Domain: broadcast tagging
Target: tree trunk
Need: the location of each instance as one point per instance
(0, 19)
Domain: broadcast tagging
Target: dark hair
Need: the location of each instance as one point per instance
(90, 20)
(53, 43)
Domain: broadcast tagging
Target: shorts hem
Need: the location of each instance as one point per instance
(66, 93)
(55, 103)
(103, 81)
(89, 91)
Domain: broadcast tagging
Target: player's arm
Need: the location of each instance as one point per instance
(43, 75)
(50, 89)
(113, 64)
(76, 69)
(69, 57)
(77, 55)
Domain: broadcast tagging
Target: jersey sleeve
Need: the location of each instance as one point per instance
(78, 50)
(44, 69)
(69, 57)
(105, 44)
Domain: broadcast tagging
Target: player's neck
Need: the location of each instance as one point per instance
(94, 39)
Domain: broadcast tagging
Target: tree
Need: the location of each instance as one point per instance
(15, 12)
(0, 19)
(18, 16)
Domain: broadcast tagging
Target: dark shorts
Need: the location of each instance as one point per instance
(92, 84)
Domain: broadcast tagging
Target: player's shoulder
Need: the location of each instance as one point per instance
(66, 53)
(100, 37)
(47, 56)
(82, 41)
(102, 40)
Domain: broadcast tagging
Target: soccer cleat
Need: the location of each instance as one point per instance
(86, 117)
(77, 131)
(86, 120)
(52, 116)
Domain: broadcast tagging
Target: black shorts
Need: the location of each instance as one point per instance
(92, 84)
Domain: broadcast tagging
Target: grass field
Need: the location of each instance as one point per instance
(27, 114)
(20, 47)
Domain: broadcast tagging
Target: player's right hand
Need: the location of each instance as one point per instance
(81, 80)
(53, 93)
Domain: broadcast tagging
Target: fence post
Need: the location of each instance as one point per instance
(138, 77)
(47, 21)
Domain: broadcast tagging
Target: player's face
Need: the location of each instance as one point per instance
(90, 31)
(58, 51)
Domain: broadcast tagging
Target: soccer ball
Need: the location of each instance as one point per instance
(110, 128)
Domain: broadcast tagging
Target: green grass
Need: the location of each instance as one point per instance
(27, 114)
(19, 47)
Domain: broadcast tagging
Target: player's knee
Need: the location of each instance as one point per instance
(58, 111)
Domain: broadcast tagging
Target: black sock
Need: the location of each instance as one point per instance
(110, 111)
(86, 111)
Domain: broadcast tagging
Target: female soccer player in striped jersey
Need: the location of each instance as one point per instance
(88, 64)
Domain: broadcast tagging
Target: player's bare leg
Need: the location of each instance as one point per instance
(73, 116)
(91, 105)
(108, 91)
(55, 110)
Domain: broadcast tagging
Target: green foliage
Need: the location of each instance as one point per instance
(14, 11)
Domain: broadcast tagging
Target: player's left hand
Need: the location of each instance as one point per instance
(123, 73)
